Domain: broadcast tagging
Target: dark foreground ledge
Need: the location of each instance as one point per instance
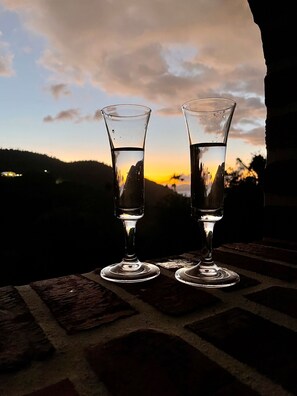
(80, 335)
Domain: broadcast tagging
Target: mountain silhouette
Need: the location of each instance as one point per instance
(58, 218)
(92, 173)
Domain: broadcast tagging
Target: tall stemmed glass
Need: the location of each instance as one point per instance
(126, 126)
(208, 122)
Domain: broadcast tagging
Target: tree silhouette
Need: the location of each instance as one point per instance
(254, 172)
(258, 164)
(175, 177)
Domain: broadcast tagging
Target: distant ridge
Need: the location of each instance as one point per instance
(58, 218)
(86, 172)
(62, 221)
(23, 161)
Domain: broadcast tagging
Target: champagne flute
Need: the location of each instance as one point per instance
(126, 125)
(208, 122)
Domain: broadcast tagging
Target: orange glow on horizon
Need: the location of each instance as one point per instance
(157, 169)
(167, 178)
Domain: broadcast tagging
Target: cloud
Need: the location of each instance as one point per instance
(6, 59)
(165, 52)
(255, 136)
(168, 111)
(27, 50)
(58, 90)
(6, 69)
(72, 115)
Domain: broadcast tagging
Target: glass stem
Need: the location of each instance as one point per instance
(207, 265)
(130, 260)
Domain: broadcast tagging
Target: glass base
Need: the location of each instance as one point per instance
(130, 273)
(218, 277)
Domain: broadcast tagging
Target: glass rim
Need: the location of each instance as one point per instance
(229, 104)
(145, 110)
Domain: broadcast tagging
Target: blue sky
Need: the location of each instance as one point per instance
(61, 61)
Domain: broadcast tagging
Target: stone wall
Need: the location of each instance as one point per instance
(277, 24)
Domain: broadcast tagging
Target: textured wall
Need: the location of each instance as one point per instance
(277, 24)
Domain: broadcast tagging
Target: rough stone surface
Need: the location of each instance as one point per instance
(79, 303)
(147, 362)
(183, 341)
(270, 348)
(269, 252)
(245, 282)
(259, 264)
(172, 297)
(282, 299)
(62, 388)
(21, 338)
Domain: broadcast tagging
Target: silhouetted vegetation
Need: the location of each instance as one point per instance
(244, 203)
(58, 218)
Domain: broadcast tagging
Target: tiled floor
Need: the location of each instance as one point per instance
(81, 335)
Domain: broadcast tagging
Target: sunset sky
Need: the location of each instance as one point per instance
(62, 60)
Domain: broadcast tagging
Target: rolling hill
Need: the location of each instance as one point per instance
(57, 218)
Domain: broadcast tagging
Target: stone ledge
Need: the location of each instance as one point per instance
(149, 362)
(62, 388)
(79, 303)
(268, 347)
(21, 338)
(242, 339)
